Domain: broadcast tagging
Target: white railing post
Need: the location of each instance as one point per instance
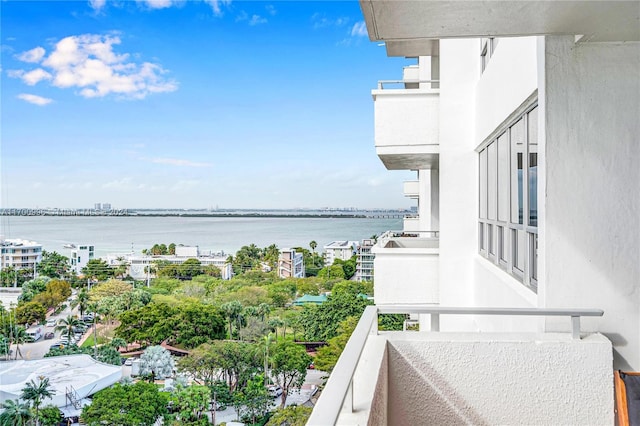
(435, 322)
(575, 326)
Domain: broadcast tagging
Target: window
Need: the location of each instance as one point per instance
(508, 198)
(487, 47)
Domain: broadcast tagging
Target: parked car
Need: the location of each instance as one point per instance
(51, 322)
(49, 335)
(129, 361)
(274, 391)
(312, 366)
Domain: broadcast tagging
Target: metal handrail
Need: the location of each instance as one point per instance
(339, 387)
(381, 83)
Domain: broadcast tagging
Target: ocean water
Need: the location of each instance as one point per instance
(122, 234)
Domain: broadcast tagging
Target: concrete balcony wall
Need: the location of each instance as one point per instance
(406, 271)
(411, 224)
(407, 128)
(513, 379)
(411, 188)
(483, 379)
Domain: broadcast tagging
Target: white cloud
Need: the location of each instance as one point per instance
(179, 162)
(257, 19)
(34, 99)
(271, 9)
(88, 62)
(157, 4)
(320, 21)
(34, 77)
(216, 5)
(359, 29)
(33, 56)
(97, 5)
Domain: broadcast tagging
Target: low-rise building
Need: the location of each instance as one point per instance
(140, 266)
(19, 254)
(291, 264)
(79, 255)
(343, 250)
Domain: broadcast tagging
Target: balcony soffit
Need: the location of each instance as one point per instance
(402, 20)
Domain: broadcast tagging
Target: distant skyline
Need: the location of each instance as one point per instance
(191, 104)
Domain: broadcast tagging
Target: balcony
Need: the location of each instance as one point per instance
(406, 268)
(411, 224)
(412, 188)
(449, 378)
(407, 124)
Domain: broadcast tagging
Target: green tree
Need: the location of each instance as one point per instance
(53, 265)
(15, 413)
(33, 287)
(35, 393)
(108, 288)
(289, 366)
(189, 269)
(254, 399)
(66, 325)
(83, 301)
(232, 310)
(19, 336)
(97, 269)
(293, 415)
(320, 322)
(172, 248)
(191, 403)
(139, 404)
(30, 312)
(334, 271)
(50, 415)
(328, 355)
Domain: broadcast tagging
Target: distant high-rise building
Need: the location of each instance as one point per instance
(106, 206)
(364, 261)
(97, 206)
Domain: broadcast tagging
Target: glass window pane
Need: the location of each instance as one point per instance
(533, 189)
(503, 178)
(516, 188)
(501, 244)
(481, 236)
(492, 180)
(483, 184)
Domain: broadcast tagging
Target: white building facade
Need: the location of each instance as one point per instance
(343, 250)
(365, 261)
(79, 255)
(524, 136)
(19, 254)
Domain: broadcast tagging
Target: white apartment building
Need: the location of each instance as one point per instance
(521, 120)
(291, 264)
(139, 265)
(365, 260)
(79, 255)
(19, 254)
(343, 250)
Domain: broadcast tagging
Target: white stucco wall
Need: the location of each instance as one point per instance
(491, 379)
(509, 78)
(458, 174)
(406, 121)
(591, 244)
(407, 275)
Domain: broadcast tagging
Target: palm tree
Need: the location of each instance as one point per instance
(67, 324)
(36, 392)
(83, 301)
(118, 342)
(19, 337)
(15, 413)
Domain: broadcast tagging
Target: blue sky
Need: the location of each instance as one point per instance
(191, 104)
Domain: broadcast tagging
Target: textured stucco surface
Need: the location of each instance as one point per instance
(506, 379)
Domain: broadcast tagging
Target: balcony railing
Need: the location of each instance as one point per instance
(338, 392)
(396, 83)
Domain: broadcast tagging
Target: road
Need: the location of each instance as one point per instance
(36, 350)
